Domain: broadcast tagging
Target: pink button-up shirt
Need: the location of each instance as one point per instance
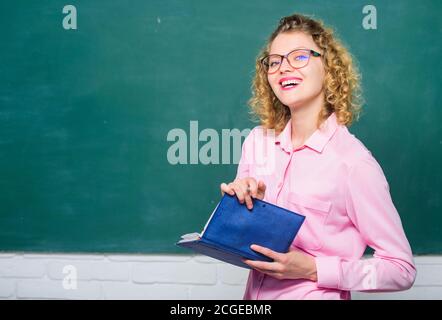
(335, 182)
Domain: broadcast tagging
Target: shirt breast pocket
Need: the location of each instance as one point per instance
(311, 234)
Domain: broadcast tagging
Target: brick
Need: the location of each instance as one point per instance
(428, 275)
(219, 292)
(91, 270)
(7, 288)
(428, 260)
(18, 267)
(149, 258)
(230, 274)
(60, 256)
(128, 290)
(204, 259)
(50, 289)
(189, 272)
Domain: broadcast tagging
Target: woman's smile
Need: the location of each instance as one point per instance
(288, 83)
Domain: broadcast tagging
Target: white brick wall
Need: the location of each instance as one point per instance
(40, 276)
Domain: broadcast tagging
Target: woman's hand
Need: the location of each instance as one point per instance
(294, 264)
(245, 189)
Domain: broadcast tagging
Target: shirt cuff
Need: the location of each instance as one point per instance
(328, 272)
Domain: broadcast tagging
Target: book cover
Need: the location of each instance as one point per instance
(232, 229)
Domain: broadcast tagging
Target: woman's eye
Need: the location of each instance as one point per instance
(301, 58)
(274, 63)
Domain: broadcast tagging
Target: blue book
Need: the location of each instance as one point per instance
(232, 229)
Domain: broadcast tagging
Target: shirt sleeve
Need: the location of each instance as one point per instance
(371, 209)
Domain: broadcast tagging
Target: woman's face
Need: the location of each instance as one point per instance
(310, 77)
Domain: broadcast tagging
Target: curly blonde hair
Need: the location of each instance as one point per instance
(341, 84)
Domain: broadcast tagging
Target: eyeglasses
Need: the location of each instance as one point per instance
(297, 58)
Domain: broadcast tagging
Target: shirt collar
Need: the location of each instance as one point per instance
(316, 141)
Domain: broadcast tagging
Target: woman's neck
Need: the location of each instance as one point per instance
(305, 121)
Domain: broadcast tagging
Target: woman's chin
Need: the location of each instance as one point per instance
(291, 103)
(291, 100)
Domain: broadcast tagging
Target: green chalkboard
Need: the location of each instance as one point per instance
(85, 113)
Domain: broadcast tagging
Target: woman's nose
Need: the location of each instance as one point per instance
(285, 66)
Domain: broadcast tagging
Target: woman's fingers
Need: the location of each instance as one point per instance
(247, 185)
(276, 256)
(222, 188)
(240, 191)
(226, 189)
(261, 190)
(253, 187)
(245, 189)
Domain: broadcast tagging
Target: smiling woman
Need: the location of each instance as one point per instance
(306, 89)
(334, 75)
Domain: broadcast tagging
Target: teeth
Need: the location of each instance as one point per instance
(291, 81)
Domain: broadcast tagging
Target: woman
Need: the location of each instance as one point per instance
(306, 91)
